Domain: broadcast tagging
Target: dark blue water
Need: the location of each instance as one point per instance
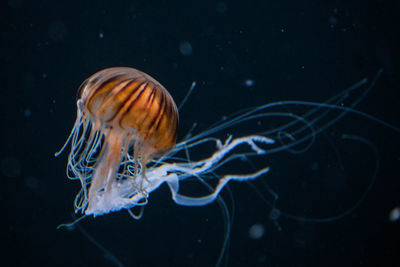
(241, 54)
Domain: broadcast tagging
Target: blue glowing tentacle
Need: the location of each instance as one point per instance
(173, 184)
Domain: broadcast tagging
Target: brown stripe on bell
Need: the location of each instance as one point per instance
(130, 100)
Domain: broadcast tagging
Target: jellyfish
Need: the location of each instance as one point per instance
(126, 119)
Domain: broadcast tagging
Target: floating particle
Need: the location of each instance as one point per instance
(249, 82)
(27, 113)
(394, 214)
(185, 48)
(274, 214)
(256, 231)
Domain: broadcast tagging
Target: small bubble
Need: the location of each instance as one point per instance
(394, 214)
(27, 113)
(101, 35)
(185, 48)
(274, 214)
(249, 83)
(256, 231)
(44, 75)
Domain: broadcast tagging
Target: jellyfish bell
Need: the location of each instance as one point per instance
(132, 102)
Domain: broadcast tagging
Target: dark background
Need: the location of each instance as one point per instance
(292, 50)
